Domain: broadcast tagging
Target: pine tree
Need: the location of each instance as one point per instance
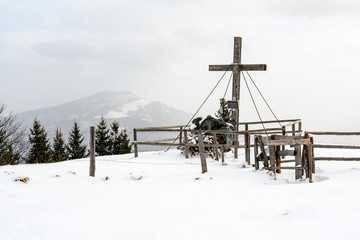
(40, 151)
(115, 138)
(103, 141)
(223, 113)
(59, 153)
(75, 148)
(124, 146)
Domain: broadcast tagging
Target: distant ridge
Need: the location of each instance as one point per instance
(124, 107)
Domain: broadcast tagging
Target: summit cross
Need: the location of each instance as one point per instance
(236, 67)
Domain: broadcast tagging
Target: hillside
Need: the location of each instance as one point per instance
(129, 110)
(157, 196)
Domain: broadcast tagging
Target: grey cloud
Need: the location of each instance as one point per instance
(66, 49)
(314, 8)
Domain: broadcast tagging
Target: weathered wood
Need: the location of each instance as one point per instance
(215, 148)
(335, 146)
(92, 152)
(309, 163)
(163, 127)
(236, 142)
(223, 155)
(186, 141)
(256, 144)
(296, 168)
(292, 123)
(236, 88)
(189, 144)
(286, 153)
(279, 137)
(305, 159)
(202, 153)
(335, 133)
(262, 148)
(247, 147)
(298, 162)
(253, 131)
(272, 156)
(181, 135)
(278, 160)
(312, 154)
(288, 142)
(288, 161)
(336, 159)
(240, 67)
(136, 153)
(283, 133)
(293, 130)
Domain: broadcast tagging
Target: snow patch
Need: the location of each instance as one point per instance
(115, 114)
(133, 106)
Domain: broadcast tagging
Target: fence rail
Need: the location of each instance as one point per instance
(331, 146)
(183, 130)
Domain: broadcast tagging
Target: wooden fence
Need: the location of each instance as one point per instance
(183, 131)
(338, 146)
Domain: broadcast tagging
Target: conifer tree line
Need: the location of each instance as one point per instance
(18, 146)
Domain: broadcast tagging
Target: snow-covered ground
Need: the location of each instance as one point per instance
(164, 196)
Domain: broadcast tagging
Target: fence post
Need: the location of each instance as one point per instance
(92, 152)
(216, 148)
(202, 153)
(256, 153)
(223, 154)
(135, 144)
(293, 129)
(180, 138)
(185, 144)
(312, 155)
(298, 162)
(247, 147)
(236, 142)
(283, 133)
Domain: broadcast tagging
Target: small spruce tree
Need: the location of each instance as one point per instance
(125, 147)
(115, 138)
(75, 148)
(103, 141)
(59, 151)
(223, 113)
(40, 151)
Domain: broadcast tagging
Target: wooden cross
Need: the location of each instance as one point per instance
(236, 67)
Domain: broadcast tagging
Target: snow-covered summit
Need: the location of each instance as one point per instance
(162, 195)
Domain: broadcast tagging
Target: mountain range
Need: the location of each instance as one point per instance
(124, 107)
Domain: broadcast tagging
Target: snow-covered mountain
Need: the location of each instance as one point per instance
(126, 108)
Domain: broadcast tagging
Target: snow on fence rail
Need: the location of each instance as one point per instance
(183, 130)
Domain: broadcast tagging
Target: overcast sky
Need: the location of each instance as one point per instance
(55, 51)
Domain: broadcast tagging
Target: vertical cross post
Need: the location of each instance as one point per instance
(236, 68)
(236, 87)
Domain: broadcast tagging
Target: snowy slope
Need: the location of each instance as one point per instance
(157, 196)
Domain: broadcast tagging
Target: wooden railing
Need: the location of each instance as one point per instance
(337, 146)
(183, 131)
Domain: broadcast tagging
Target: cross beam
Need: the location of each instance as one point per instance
(236, 67)
(241, 67)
